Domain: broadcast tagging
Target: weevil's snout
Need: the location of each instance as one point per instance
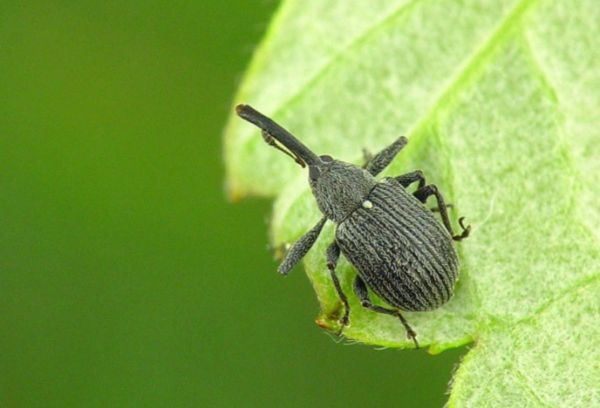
(275, 134)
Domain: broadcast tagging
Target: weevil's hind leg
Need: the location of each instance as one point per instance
(300, 248)
(333, 254)
(382, 159)
(423, 193)
(409, 178)
(437, 209)
(360, 288)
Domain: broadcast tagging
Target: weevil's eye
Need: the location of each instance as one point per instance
(326, 158)
(314, 172)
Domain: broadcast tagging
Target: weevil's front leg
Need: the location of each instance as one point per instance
(300, 248)
(409, 178)
(333, 254)
(382, 159)
(360, 288)
(423, 193)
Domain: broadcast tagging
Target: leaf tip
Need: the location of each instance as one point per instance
(323, 323)
(329, 321)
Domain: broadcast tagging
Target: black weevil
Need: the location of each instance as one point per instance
(399, 249)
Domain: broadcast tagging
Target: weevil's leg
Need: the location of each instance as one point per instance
(381, 160)
(417, 175)
(360, 288)
(437, 209)
(333, 254)
(423, 193)
(409, 178)
(300, 248)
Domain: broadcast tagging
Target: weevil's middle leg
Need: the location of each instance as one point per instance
(417, 175)
(437, 209)
(423, 193)
(360, 288)
(333, 254)
(409, 178)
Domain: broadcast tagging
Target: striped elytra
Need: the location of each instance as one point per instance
(399, 249)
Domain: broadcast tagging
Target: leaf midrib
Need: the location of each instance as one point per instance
(338, 56)
(461, 77)
(473, 64)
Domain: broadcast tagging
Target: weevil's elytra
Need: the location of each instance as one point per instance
(398, 247)
(426, 260)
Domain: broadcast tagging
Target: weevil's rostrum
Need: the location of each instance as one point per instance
(398, 247)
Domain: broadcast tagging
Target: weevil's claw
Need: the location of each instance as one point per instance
(344, 321)
(466, 230)
(413, 337)
(410, 333)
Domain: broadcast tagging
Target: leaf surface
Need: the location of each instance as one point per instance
(500, 103)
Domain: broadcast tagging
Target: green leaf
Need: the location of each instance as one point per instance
(501, 102)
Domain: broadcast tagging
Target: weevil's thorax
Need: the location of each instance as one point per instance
(340, 188)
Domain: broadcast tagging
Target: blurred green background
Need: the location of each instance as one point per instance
(126, 277)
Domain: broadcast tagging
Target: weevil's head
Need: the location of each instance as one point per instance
(338, 187)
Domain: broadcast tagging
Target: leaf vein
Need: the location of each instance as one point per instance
(358, 39)
(472, 66)
(522, 378)
(588, 280)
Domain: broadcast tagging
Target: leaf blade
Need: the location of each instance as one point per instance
(511, 138)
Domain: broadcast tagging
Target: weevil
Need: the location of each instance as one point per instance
(400, 250)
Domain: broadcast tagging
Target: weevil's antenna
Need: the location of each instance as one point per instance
(271, 131)
(270, 140)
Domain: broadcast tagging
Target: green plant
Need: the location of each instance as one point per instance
(500, 102)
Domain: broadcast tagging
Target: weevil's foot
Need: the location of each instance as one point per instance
(410, 334)
(466, 230)
(344, 321)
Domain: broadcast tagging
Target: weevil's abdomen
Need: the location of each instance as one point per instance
(401, 251)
